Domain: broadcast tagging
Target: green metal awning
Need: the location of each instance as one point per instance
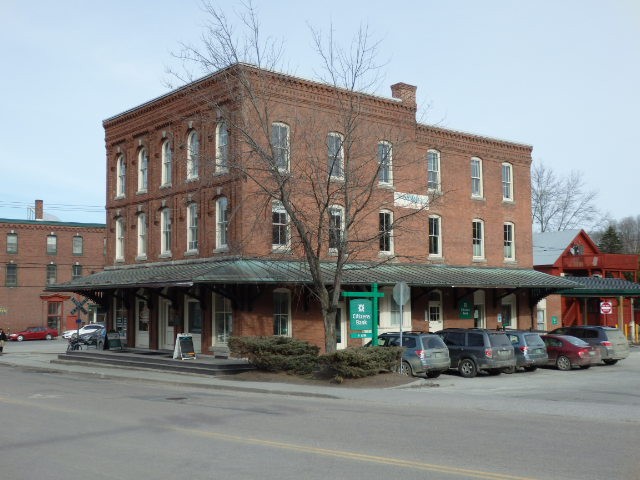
(261, 271)
(601, 287)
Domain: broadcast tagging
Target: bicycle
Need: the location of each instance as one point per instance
(74, 344)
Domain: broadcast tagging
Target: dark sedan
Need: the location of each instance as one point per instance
(566, 352)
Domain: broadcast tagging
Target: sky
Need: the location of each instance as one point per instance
(560, 75)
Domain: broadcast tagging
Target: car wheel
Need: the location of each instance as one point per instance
(434, 374)
(509, 370)
(563, 363)
(467, 368)
(610, 362)
(48, 337)
(405, 369)
(584, 367)
(20, 338)
(530, 369)
(100, 345)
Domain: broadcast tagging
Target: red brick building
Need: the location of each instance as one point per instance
(198, 240)
(38, 253)
(603, 277)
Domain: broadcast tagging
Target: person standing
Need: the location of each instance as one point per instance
(3, 338)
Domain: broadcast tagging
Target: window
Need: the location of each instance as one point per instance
(433, 169)
(385, 154)
(222, 223)
(507, 182)
(54, 315)
(12, 242)
(52, 244)
(476, 177)
(77, 245)
(435, 237)
(193, 155)
(76, 271)
(52, 273)
(143, 169)
(223, 319)
(11, 276)
(142, 236)
(165, 230)
(120, 239)
(336, 219)
(508, 316)
(386, 232)
(335, 152)
(509, 242)
(478, 239)
(280, 229)
(121, 176)
(434, 308)
(166, 163)
(192, 227)
(222, 148)
(280, 143)
(281, 317)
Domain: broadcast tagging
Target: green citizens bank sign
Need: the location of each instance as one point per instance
(361, 314)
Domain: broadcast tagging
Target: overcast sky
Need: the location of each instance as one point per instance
(560, 75)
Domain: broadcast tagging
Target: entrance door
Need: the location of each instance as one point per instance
(142, 323)
(193, 323)
(222, 320)
(167, 332)
(433, 314)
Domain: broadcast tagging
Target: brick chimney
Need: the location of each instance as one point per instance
(405, 93)
(39, 210)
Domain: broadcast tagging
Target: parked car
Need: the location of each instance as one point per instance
(475, 349)
(529, 349)
(611, 342)
(89, 328)
(34, 333)
(566, 352)
(424, 353)
(94, 336)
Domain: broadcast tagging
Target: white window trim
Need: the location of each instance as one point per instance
(165, 232)
(481, 256)
(119, 253)
(434, 303)
(337, 158)
(438, 254)
(512, 302)
(480, 194)
(193, 159)
(386, 305)
(220, 245)
(390, 233)
(509, 167)
(143, 170)
(192, 229)
(277, 207)
(286, 148)
(389, 181)
(142, 237)
(121, 176)
(222, 167)
(167, 164)
(436, 171)
(340, 209)
(289, 315)
(512, 258)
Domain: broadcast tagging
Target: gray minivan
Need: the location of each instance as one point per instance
(611, 341)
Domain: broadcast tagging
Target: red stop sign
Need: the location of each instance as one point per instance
(606, 308)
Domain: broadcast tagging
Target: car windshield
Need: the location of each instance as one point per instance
(576, 341)
(533, 340)
(499, 340)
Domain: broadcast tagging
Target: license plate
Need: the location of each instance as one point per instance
(503, 353)
(592, 354)
(438, 354)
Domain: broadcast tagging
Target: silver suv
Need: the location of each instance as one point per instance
(530, 350)
(474, 349)
(611, 341)
(423, 354)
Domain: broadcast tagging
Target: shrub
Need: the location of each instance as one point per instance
(361, 361)
(276, 354)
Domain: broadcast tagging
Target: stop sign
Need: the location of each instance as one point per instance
(606, 307)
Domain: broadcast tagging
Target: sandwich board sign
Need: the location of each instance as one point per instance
(184, 347)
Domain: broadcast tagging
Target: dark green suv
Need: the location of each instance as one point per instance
(475, 349)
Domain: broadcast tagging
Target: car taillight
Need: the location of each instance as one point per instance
(488, 353)
(422, 353)
(606, 343)
(524, 349)
(583, 353)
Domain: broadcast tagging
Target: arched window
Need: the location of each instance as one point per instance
(385, 229)
(336, 228)
(222, 223)
(143, 169)
(507, 182)
(121, 176)
(478, 239)
(222, 148)
(165, 232)
(120, 239)
(142, 236)
(192, 227)
(193, 155)
(509, 241)
(435, 236)
(280, 145)
(167, 163)
(282, 312)
(385, 162)
(476, 177)
(281, 233)
(335, 153)
(433, 170)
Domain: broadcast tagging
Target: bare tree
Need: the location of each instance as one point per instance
(342, 169)
(561, 203)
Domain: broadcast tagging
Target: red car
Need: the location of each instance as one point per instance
(566, 352)
(34, 333)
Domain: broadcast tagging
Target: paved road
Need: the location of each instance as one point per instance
(137, 424)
